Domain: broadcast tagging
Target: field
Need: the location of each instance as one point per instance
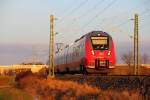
(31, 87)
(8, 91)
(126, 70)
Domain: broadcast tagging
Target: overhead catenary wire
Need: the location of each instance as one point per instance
(67, 15)
(89, 10)
(142, 14)
(145, 25)
(69, 6)
(97, 15)
(121, 24)
(61, 20)
(128, 20)
(111, 20)
(147, 10)
(74, 10)
(137, 6)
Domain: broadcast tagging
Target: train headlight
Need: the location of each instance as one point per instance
(109, 53)
(92, 52)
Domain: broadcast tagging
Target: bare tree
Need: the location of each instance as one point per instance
(144, 58)
(127, 58)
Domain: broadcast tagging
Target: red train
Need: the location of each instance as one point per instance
(93, 52)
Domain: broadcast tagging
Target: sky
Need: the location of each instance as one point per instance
(24, 25)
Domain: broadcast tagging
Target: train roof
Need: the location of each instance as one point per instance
(94, 33)
(97, 32)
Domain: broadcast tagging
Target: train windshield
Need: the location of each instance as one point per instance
(100, 43)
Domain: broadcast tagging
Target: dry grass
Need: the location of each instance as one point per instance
(5, 80)
(32, 86)
(126, 70)
(9, 92)
(121, 95)
(54, 89)
(14, 94)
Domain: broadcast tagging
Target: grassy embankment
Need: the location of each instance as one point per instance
(9, 92)
(31, 87)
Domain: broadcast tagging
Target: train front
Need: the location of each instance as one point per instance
(100, 54)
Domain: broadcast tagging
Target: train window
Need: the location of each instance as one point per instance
(100, 43)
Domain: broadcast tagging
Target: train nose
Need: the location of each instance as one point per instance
(101, 64)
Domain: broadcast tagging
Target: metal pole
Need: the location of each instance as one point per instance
(134, 48)
(136, 45)
(51, 47)
(138, 53)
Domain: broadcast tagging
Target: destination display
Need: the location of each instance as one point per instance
(105, 38)
(99, 40)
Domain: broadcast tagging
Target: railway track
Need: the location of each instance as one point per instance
(115, 82)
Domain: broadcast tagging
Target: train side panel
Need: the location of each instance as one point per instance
(77, 54)
(112, 57)
(71, 57)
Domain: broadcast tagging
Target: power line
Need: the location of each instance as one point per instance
(145, 12)
(79, 6)
(62, 20)
(121, 24)
(143, 15)
(139, 5)
(135, 8)
(75, 9)
(70, 5)
(145, 25)
(125, 22)
(89, 10)
(100, 12)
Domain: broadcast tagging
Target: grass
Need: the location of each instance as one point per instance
(6, 80)
(55, 89)
(126, 70)
(10, 92)
(5, 94)
(14, 94)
